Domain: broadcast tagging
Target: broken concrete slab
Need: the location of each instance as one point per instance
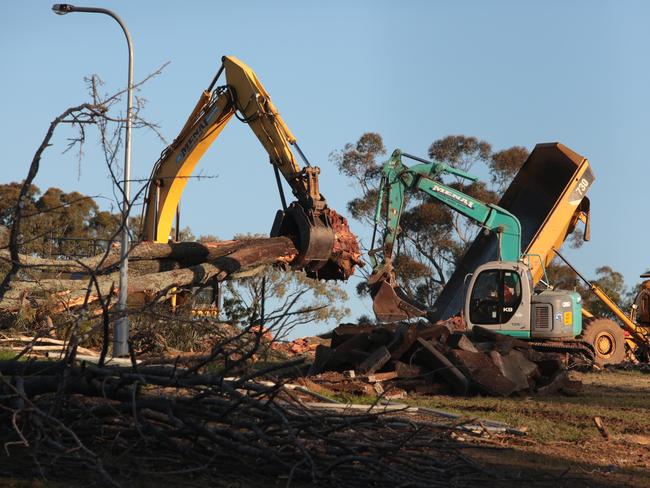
(460, 341)
(509, 368)
(456, 379)
(484, 374)
(375, 361)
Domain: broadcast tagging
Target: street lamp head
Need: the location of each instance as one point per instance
(62, 8)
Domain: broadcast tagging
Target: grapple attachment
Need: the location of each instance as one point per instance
(328, 249)
(389, 301)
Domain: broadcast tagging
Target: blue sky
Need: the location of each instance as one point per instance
(509, 72)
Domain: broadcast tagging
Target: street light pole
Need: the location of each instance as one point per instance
(121, 329)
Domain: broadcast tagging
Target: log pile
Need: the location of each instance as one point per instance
(398, 359)
(154, 270)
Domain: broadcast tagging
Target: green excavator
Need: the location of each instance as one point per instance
(501, 294)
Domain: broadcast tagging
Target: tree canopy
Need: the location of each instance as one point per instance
(57, 223)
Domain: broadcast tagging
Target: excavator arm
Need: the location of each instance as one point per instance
(389, 301)
(308, 220)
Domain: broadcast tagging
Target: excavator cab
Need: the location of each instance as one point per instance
(501, 297)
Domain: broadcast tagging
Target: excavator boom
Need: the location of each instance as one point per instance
(390, 303)
(327, 247)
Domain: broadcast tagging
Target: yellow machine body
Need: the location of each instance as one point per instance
(243, 94)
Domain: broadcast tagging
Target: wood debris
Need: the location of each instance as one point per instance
(397, 359)
(155, 270)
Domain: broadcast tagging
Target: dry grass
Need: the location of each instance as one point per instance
(562, 435)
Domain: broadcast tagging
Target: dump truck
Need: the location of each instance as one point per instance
(548, 196)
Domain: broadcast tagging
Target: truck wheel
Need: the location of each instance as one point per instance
(607, 338)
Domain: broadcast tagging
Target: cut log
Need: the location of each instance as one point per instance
(345, 332)
(184, 253)
(404, 370)
(461, 341)
(234, 257)
(435, 332)
(323, 354)
(403, 340)
(377, 377)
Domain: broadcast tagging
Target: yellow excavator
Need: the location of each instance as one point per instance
(327, 248)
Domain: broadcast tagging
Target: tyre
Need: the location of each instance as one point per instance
(607, 339)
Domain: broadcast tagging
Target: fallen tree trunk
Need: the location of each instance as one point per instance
(221, 261)
(181, 253)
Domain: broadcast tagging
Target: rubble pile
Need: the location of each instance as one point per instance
(397, 359)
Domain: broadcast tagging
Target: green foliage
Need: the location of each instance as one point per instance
(289, 299)
(613, 284)
(505, 164)
(360, 162)
(185, 234)
(208, 238)
(55, 222)
(562, 277)
(460, 151)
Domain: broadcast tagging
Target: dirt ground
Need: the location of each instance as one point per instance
(562, 436)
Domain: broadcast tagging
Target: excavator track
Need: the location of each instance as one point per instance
(580, 352)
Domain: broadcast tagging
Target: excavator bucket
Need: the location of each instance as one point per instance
(391, 304)
(548, 197)
(389, 301)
